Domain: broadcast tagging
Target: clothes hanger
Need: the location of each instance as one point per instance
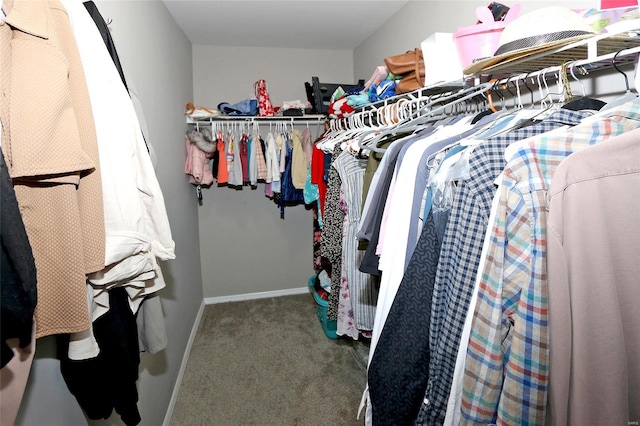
(526, 85)
(628, 94)
(425, 114)
(583, 102)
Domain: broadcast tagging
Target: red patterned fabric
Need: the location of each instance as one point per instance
(265, 108)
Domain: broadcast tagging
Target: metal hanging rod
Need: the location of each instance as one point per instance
(307, 119)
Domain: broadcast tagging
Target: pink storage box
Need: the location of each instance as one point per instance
(481, 40)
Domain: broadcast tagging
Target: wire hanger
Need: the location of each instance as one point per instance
(626, 79)
(526, 77)
(628, 94)
(583, 102)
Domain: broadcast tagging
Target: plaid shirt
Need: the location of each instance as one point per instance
(460, 256)
(262, 164)
(506, 369)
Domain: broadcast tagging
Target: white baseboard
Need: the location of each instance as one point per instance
(183, 366)
(252, 296)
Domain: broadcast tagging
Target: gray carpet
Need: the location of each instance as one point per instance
(268, 362)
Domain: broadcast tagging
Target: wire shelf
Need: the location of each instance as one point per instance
(594, 52)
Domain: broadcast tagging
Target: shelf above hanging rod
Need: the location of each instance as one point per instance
(590, 50)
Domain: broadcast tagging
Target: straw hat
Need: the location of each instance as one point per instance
(543, 29)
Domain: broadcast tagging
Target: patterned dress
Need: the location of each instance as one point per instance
(362, 292)
(331, 244)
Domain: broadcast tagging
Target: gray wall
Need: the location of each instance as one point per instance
(156, 57)
(245, 246)
(227, 74)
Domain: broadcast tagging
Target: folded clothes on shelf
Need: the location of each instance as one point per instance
(244, 107)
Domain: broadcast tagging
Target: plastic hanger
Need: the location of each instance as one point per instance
(431, 111)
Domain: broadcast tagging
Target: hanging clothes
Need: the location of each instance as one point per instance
(18, 290)
(108, 381)
(223, 168)
(18, 298)
(460, 255)
(136, 236)
(361, 288)
(261, 162)
(197, 164)
(595, 353)
(64, 214)
(289, 194)
(331, 244)
(516, 270)
(244, 157)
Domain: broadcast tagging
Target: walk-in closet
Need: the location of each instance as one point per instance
(207, 205)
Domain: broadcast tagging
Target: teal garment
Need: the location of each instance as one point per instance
(358, 101)
(311, 194)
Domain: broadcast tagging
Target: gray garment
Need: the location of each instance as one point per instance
(380, 190)
(152, 334)
(362, 289)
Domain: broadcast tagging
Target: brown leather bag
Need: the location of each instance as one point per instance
(405, 62)
(409, 66)
(409, 83)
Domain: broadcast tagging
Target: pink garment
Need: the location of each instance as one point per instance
(307, 145)
(379, 74)
(197, 165)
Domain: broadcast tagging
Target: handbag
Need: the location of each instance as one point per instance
(265, 108)
(410, 67)
(405, 62)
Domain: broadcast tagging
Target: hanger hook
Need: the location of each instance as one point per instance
(520, 106)
(626, 80)
(584, 93)
(526, 77)
(543, 103)
(513, 95)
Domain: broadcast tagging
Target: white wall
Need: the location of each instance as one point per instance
(245, 246)
(156, 57)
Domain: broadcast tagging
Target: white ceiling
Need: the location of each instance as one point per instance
(307, 24)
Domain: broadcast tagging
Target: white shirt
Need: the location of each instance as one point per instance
(137, 228)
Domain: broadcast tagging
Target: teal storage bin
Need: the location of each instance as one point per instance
(329, 327)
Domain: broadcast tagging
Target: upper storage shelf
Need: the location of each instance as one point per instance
(592, 51)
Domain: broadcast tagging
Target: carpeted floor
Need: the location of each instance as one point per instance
(268, 362)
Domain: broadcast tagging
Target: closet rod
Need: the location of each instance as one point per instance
(289, 120)
(599, 63)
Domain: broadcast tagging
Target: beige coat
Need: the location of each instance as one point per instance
(49, 142)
